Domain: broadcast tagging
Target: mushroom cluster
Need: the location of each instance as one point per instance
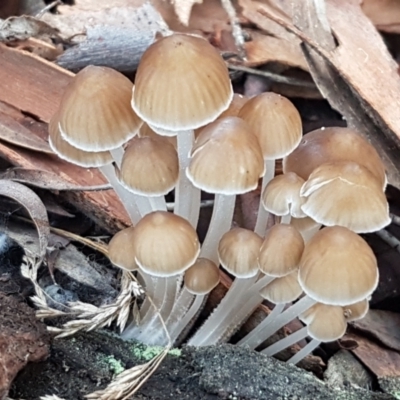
(180, 127)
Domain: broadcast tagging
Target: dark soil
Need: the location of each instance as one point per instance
(87, 362)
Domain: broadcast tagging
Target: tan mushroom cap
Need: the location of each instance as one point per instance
(238, 252)
(120, 250)
(325, 323)
(281, 196)
(145, 130)
(165, 244)
(338, 267)
(281, 251)
(304, 224)
(181, 83)
(282, 290)
(356, 311)
(202, 277)
(276, 123)
(333, 144)
(150, 166)
(226, 158)
(73, 155)
(95, 112)
(346, 194)
(238, 101)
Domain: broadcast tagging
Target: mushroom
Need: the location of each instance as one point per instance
(347, 194)
(238, 252)
(279, 257)
(337, 268)
(332, 144)
(325, 323)
(165, 245)
(199, 280)
(282, 197)
(172, 108)
(227, 161)
(277, 125)
(102, 160)
(95, 114)
(149, 170)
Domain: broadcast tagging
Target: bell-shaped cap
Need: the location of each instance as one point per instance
(181, 83)
(338, 267)
(226, 158)
(238, 252)
(346, 194)
(276, 123)
(202, 277)
(150, 166)
(281, 250)
(165, 244)
(95, 112)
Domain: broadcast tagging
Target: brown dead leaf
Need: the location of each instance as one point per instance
(183, 8)
(45, 180)
(382, 325)
(35, 207)
(358, 77)
(262, 49)
(384, 14)
(25, 27)
(13, 132)
(381, 361)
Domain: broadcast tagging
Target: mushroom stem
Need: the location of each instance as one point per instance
(305, 351)
(148, 282)
(285, 219)
(227, 317)
(221, 221)
(134, 331)
(190, 314)
(165, 302)
(187, 197)
(181, 306)
(262, 216)
(286, 342)
(250, 339)
(124, 195)
(268, 327)
(117, 155)
(307, 235)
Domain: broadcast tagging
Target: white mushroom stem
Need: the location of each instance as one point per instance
(262, 216)
(286, 342)
(150, 325)
(187, 197)
(117, 155)
(134, 331)
(231, 312)
(285, 219)
(250, 339)
(189, 315)
(148, 282)
(269, 326)
(124, 195)
(305, 351)
(181, 306)
(307, 235)
(221, 222)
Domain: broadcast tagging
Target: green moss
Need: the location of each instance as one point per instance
(143, 352)
(114, 365)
